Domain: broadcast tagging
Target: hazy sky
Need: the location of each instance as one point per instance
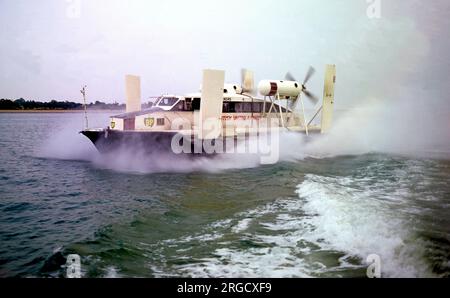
(50, 48)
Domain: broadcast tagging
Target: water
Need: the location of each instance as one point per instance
(305, 216)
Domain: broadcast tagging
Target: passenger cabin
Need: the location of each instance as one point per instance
(235, 107)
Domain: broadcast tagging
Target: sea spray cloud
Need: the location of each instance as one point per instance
(400, 127)
(369, 128)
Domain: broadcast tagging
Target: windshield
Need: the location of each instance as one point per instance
(167, 101)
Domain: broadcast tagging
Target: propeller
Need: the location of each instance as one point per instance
(314, 99)
(309, 74)
(247, 81)
(289, 77)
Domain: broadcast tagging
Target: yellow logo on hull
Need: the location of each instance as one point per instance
(149, 121)
(113, 124)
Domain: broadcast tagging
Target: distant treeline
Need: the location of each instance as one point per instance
(22, 104)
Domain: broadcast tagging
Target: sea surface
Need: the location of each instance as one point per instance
(305, 216)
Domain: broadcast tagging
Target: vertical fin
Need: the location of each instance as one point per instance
(211, 104)
(328, 98)
(247, 81)
(133, 93)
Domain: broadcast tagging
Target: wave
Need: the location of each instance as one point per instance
(330, 229)
(354, 216)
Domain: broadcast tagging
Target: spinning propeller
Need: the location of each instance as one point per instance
(289, 77)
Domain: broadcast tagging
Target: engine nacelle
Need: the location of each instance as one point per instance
(282, 88)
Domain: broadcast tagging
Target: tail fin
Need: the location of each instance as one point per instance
(133, 93)
(328, 98)
(211, 103)
(247, 80)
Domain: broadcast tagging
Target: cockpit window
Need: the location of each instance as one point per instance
(180, 106)
(167, 101)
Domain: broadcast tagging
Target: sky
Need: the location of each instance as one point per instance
(381, 48)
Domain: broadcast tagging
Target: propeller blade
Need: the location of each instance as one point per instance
(309, 74)
(289, 77)
(314, 99)
(247, 81)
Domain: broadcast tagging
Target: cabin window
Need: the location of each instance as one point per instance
(195, 104)
(238, 107)
(257, 107)
(188, 103)
(228, 107)
(167, 101)
(160, 121)
(243, 107)
(183, 106)
(179, 106)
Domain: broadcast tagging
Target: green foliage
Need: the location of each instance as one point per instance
(22, 104)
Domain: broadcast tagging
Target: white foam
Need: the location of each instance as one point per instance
(352, 220)
(252, 262)
(111, 272)
(388, 125)
(140, 162)
(242, 225)
(278, 256)
(350, 216)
